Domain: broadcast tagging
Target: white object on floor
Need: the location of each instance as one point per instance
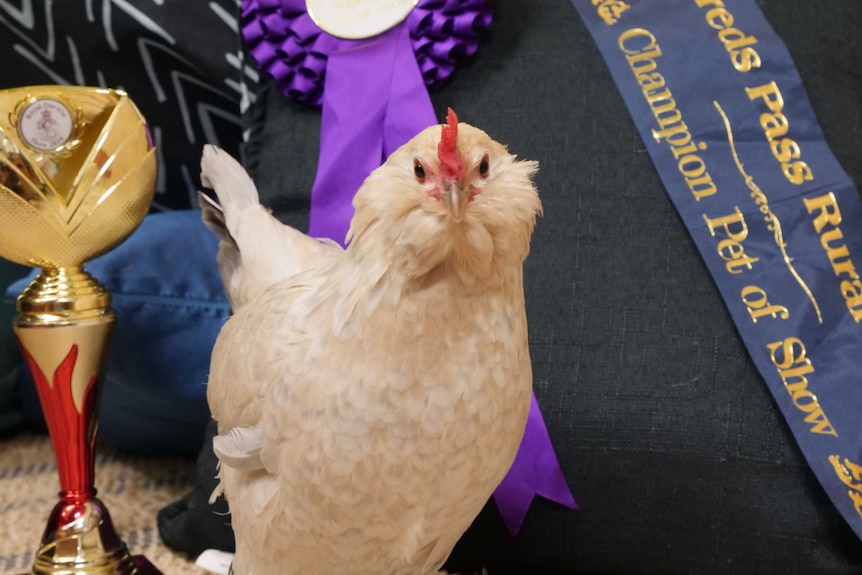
(215, 561)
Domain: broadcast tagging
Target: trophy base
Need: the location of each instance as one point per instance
(142, 566)
(80, 540)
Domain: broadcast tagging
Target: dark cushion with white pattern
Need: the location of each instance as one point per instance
(177, 60)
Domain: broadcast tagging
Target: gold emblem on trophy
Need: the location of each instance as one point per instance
(77, 173)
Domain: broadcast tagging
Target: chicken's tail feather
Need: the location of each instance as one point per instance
(235, 190)
(256, 250)
(213, 217)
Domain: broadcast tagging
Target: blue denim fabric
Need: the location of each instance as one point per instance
(10, 357)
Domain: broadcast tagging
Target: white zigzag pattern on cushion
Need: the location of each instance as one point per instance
(33, 24)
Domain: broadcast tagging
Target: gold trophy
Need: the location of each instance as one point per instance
(77, 172)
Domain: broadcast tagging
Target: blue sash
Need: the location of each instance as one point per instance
(725, 118)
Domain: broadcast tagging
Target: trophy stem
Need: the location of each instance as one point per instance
(64, 329)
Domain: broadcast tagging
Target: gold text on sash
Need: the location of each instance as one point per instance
(790, 359)
(827, 217)
(642, 50)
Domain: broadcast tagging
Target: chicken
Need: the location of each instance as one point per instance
(369, 400)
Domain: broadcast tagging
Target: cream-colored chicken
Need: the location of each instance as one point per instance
(370, 400)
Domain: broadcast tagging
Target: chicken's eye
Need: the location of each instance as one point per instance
(419, 171)
(483, 167)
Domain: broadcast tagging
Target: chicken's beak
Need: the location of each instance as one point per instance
(455, 199)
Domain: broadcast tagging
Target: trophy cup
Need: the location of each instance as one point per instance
(77, 172)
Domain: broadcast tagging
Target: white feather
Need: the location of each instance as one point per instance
(240, 448)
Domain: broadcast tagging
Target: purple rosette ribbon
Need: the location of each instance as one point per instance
(374, 98)
(288, 46)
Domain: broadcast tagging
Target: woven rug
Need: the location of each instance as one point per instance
(132, 487)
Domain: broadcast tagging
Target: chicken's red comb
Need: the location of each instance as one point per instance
(447, 149)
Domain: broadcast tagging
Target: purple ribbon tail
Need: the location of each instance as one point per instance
(409, 108)
(536, 471)
(374, 101)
